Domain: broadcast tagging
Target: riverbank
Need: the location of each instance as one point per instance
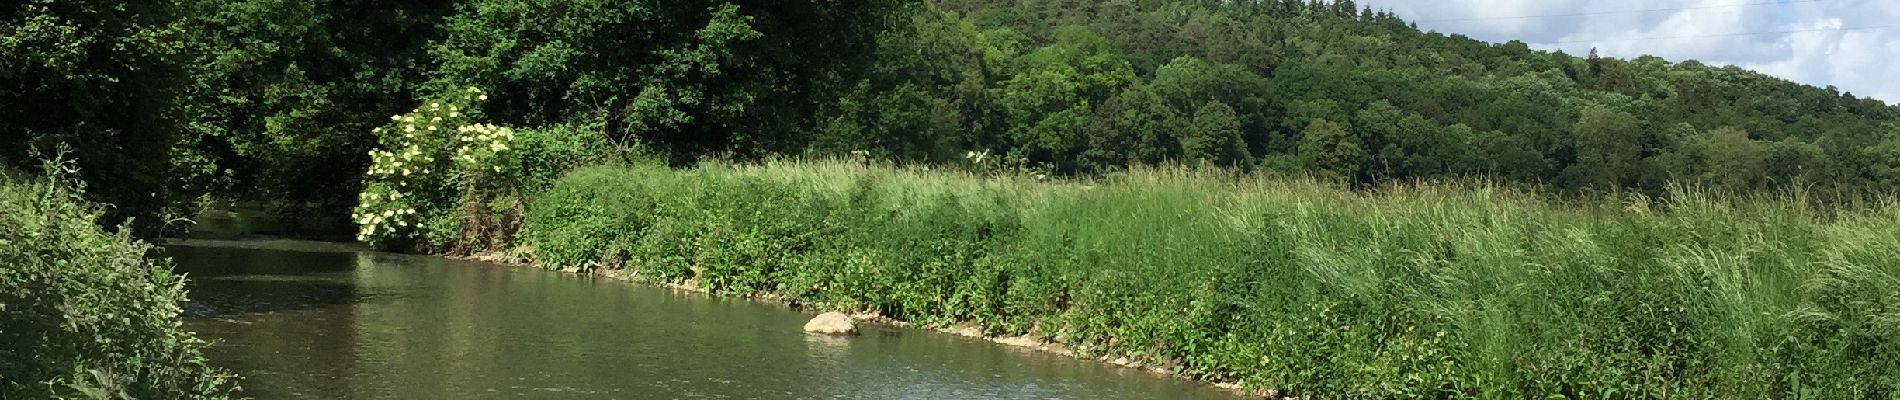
(964, 329)
(320, 323)
(1278, 285)
(87, 312)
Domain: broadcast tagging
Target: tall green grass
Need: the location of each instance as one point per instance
(1421, 291)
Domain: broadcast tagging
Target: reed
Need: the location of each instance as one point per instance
(1422, 290)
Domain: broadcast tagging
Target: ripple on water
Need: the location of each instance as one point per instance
(302, 324)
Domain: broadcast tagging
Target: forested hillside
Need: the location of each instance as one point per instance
(1295, 198)
(1089, 86)
(166, 103)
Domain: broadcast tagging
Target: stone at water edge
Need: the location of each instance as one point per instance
(832, 323)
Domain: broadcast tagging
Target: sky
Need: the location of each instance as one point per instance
(1851, 44)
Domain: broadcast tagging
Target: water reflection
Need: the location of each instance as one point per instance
(372, 325)
(240, 281)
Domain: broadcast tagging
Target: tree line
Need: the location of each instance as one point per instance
(170, 102)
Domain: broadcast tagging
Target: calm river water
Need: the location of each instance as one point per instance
(325, 321)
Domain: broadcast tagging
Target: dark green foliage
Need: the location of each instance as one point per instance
(1728, 159)
(603, 211)
(904, 122)
(1419, 292)
(285, 94)
(1327, 149)
(103, 80)
(1422, 105)
(85, 313)
(1608, 147)
(687, 78)
(1430, 295)
(271, 100)
(1134, 127)
(544, 154)
(1214, 137)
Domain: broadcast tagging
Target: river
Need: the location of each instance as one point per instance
(305, 320)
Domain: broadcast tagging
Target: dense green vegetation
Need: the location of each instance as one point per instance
(85, 313)
(269, 100)
(1313, 260)
(1333, 89)
(1419, 291)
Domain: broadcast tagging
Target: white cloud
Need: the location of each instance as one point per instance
(1831, 46)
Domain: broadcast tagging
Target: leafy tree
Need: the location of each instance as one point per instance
(1046, 101)
(1098, 71)
(1188, 83)
(102, 79)
(268, 99)
(1329, 149)
(1852, 155)
(685, 78)
(929, 74)
(1608, 149)
(1214, 137)
(1791, 162)
(1729, 159)
(1412, 146)
(1883, 161)
(905, 123)
(1508, 157)
(288, 90)
(1135, 126)
(1301, 114)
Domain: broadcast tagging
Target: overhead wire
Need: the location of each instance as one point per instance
(1599, 13)
(1735, 34)
(1650, 10)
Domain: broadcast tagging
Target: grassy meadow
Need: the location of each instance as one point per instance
(1416, 291)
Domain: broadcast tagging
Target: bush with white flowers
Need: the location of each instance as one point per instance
(427, 157)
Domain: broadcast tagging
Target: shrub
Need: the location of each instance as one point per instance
(543, 154)
(84, 312)
(601, 211)
(429, 157)
(442, 182)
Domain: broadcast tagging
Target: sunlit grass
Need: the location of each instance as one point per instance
(1423, 290)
